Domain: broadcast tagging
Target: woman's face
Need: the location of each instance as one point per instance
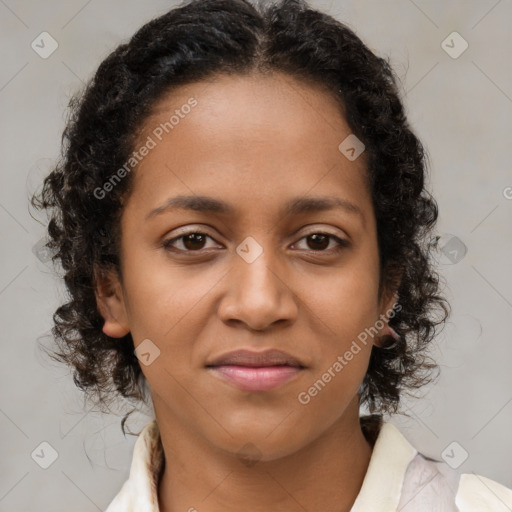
(260, 275)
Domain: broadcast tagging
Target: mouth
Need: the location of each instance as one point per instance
(256, 371)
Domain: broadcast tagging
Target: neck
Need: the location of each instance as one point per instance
(327, 474)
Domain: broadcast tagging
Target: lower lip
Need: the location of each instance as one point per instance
(257, 379)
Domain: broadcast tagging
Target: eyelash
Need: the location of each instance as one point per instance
(342, 243)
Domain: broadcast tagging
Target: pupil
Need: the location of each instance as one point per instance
(192, 238)
(316, 239)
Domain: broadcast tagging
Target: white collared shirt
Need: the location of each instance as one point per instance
(398, 479)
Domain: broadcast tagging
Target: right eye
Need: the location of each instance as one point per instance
(192, 241)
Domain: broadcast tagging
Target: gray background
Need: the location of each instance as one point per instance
(461, 108)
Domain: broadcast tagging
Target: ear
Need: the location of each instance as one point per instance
(387, 302)
(111, 304)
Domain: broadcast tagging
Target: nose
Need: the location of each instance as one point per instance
(259, 294)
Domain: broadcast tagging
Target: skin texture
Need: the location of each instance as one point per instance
(255, 142)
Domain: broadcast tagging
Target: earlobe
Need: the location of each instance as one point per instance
(110, 302)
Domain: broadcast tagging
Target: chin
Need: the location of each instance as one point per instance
(259, 442)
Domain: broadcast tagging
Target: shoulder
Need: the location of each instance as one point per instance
(478, 493)
(413, 482)
(434, 486)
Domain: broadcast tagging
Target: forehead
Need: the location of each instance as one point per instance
(221, 91)
(256, 134)
(274, 112)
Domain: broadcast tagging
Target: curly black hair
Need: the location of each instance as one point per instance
(194, 41)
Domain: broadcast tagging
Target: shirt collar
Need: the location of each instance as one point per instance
(140, 492)
(384, 479)
(380, 492)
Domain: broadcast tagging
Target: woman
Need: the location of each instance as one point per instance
(242, 217)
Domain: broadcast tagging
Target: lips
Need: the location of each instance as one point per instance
(256, 371)
(249, 358)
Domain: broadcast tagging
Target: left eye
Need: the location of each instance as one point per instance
(321, 241)
(195, 241)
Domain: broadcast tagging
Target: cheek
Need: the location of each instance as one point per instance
(168, 307)
(162, 297)
(347, 304)
(333, 385)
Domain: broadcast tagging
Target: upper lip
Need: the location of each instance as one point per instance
(246, 357)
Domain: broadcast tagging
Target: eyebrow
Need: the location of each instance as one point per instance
(294, 206)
